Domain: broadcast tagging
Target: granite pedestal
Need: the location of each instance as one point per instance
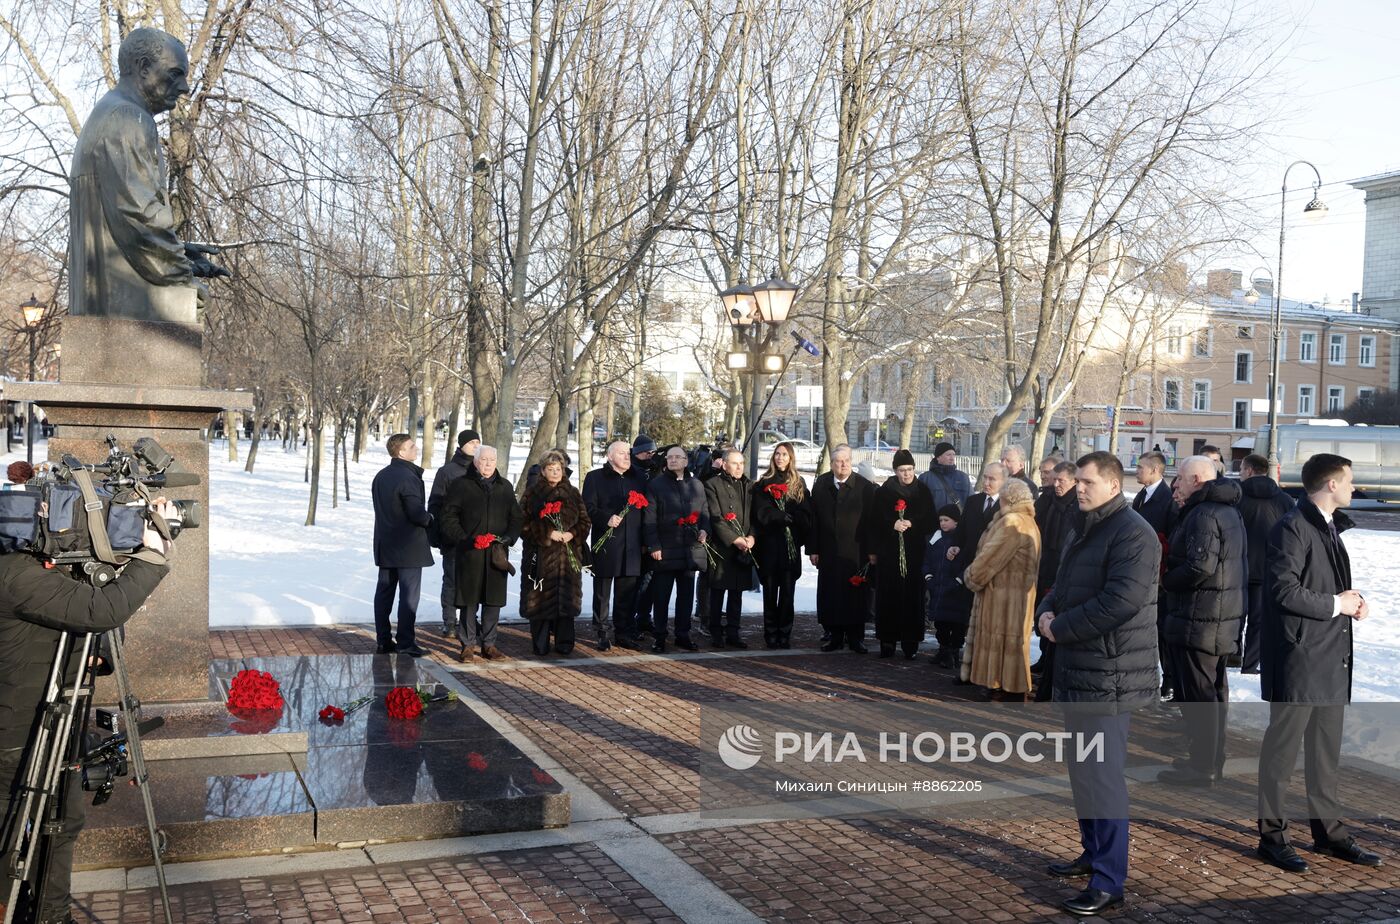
(372, 778)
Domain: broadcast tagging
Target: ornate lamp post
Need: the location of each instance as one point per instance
(1315, 210)
(755, 314)
(33, 311)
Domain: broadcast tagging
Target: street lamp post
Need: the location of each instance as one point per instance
(33, 311)
(755, 313)
(1314, 210)
(1251, 297)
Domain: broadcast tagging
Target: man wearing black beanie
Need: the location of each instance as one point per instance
(461, 465)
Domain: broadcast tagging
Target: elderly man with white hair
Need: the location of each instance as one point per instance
(610, 493)
(1014, 458)
(482, 519)
(1207, 585)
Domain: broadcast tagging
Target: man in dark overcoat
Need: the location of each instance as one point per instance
(1262, 505)
(617, 564)
(462, 464)
(475, 509)
(401, 549)
(731, 520)
(1306, 649)
(839, 500)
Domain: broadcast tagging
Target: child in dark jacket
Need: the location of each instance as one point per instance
(949, 602)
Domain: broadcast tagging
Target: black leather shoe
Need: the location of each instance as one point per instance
(859, 648)
(687, 644)
(1347, 850)
(603, 643)
(659, 646)
(385, 649)
(738, 643)
(412, 651)
(449, 631)
(629, 643)
(832, 646)
(887, 651)
(1284, 857)
(1091, 902)
(1079, 867)
(1186, 776)
(717, 644)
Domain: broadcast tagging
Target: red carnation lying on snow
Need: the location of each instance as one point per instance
(403, 703)
(254, 690)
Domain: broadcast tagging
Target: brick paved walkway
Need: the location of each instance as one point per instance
(627, 727)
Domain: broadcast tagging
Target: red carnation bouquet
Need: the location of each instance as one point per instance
(899, 507)
(634, 499)
(779, 494)
(692, 522)
(860, 579)
(553, 512)
(255, 690)
(483, 542)
(408, 702)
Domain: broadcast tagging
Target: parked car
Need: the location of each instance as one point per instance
(879, 446)
(808, 453)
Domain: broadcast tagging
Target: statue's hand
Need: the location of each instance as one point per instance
(200, 264)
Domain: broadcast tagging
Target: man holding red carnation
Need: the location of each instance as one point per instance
(611, 493)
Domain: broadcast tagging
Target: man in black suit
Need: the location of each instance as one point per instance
(1264, 503)
(1155, 504)
(1307, 664)
(977, 514)
(401, 548)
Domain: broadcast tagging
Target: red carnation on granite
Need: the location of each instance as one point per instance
(332, 715)
(476, 761)
(403, 703)
(544, 779)
(254, 690)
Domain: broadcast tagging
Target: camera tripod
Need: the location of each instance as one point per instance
(57, 760)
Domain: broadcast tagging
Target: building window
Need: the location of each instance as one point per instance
(1337, 349)
(1241, 414)
(1171, 394)
(1201, 342)
(1365, 394)
(1336, 395)
(1244, 367)
(1307, 347)
(1245, 332)
(1366, 352)
(976, 443)
(1174, 340)
(1200, 396)
(958, 395)
(1307, 394)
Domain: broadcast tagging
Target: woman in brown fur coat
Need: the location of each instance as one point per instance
(553, 585)
(1003, 577)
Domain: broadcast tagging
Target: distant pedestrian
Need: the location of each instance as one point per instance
(401, 549)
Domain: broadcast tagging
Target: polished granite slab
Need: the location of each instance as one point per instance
(371, 777)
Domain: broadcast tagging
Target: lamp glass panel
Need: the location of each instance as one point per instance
(738, 361)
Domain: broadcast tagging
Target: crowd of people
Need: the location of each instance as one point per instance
(1130, 602)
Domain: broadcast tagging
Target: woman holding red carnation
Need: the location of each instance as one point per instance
(556, 523)
(782, 520)
(901, 515)
(675, 527)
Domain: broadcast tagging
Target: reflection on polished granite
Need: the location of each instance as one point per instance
(445, 774)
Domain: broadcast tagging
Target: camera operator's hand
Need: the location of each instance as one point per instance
(154, 540)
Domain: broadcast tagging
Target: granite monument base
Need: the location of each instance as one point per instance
(368, 779)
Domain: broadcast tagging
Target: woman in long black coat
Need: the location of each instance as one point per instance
(553, 584)
(675, 551)
(899, 600)
(476, 507)
(781, 528)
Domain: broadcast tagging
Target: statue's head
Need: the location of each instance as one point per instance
(153, 65)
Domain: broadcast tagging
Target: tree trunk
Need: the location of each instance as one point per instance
(335, 468)
(429, 414)
(912, 381)
(253, 445)
(314, 448)
(232, 433)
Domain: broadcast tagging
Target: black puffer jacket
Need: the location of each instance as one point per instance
(1207, 576)
(671, 499)
(1105, 606)
(1264, 503)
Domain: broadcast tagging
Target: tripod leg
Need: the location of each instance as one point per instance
(43, 771)
(131, 718)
